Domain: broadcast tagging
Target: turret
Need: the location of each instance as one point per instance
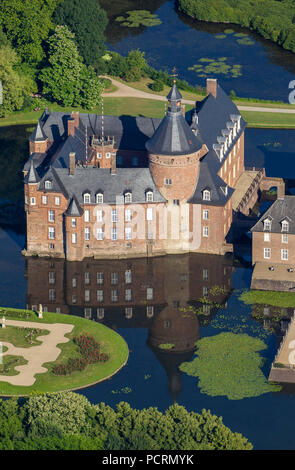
(174, 152)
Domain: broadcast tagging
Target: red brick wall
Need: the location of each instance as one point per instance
(276, 245)
(233, 166)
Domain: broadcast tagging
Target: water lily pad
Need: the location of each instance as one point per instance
(137, 18)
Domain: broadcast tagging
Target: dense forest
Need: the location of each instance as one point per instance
(68, 421)
(273, 19)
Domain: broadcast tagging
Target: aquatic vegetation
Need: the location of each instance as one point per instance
(124, 390)
(228, 31)
(137, 18)
(220, 36)
(246, 42)
(216, 67)
(229, 365)
(166, 346)
(277, 299)
(147, 376)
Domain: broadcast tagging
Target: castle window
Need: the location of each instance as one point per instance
(267, 225)
(128, 198)
(150, 311)
(51, 233)
(108, 155)
(128, 295)
(87, 295)
(114, 278)
(149, 293)
(128, 233)
(267, 253)
(134, 161)
(99, 215)
(87, 233)
(52, 295)
(128, 276)
(86, 198)
(114, 233)
(74, 299)
(176, 202)
(87, 312)
(149, 213)
(205, 214)
(206, 232)
(44, 200)
(48, 184)
(33, 201)
(100, 313)
(51, 277)
(74, 238)
(149, 197)
(206, 195)
(74, 223)
(51, 216)
(74, 282)
(114, 295)
(114, 215)
(99, 278)
(205, 274)
(128, 312)
(57, 201)
(99, 198)
(284, 238)
(285, 226)
(168, 181)
(87, 278)
(86, 216)
(99, 295)
(128, 215)
(51, 246)
(267, 237)
(99, 234)
(284, 255)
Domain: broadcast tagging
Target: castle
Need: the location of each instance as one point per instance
(120, 186)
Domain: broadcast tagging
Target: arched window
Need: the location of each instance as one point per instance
(128, 197)
(149, 196)
(48, 184)
(99, 198)
(206, 195)
(86, 198)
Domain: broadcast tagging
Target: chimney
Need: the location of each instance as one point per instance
(72, 159)
(114, 164)
(73, 122)
(212, 87)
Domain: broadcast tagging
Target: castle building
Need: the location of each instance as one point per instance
(121, 186)
(273, 243)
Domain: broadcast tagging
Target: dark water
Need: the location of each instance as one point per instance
(152, 375)
(180, 41)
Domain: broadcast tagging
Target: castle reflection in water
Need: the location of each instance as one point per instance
(152, 293)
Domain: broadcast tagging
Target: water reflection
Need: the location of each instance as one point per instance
(160, 294)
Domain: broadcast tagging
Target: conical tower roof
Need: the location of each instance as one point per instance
(32, 175)
(38, 134)
(174, 135)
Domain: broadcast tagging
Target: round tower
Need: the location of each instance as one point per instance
(174, 152)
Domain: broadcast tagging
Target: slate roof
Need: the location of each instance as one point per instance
(38, 135)
(219, 191)
(74, 209)
(32, 175)
(93, 180)
(281, 209)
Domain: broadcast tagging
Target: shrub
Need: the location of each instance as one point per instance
(157, 86)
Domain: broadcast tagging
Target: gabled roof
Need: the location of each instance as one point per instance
(279, 211)
(57, 184)
(74, 209)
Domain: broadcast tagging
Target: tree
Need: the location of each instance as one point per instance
(136, 65)
(87, 20)
(15, 85)
(27, 24)
(67, 80)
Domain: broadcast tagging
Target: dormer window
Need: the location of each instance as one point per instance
(206, 195)
(99, 198)
(149, 196)
(267, 225)
(48, 184)
(285, 226)
(128, 198)
(86, 198)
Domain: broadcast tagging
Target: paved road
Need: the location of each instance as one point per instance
(127, 91)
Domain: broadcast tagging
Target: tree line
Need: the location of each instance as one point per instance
(68, 421)
(273, 19)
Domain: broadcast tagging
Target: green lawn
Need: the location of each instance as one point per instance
(277, 299)
(21, 337)
(150, 108)
(9, 362)
(111, 343)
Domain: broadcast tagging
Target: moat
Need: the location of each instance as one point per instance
(265, 69)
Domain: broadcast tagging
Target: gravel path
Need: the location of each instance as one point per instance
(127, 91)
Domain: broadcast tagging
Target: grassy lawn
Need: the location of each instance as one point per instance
(277, 299)
(111, 343)
(271, 120)
(150, 108)
(21, 337)
(8, 364)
